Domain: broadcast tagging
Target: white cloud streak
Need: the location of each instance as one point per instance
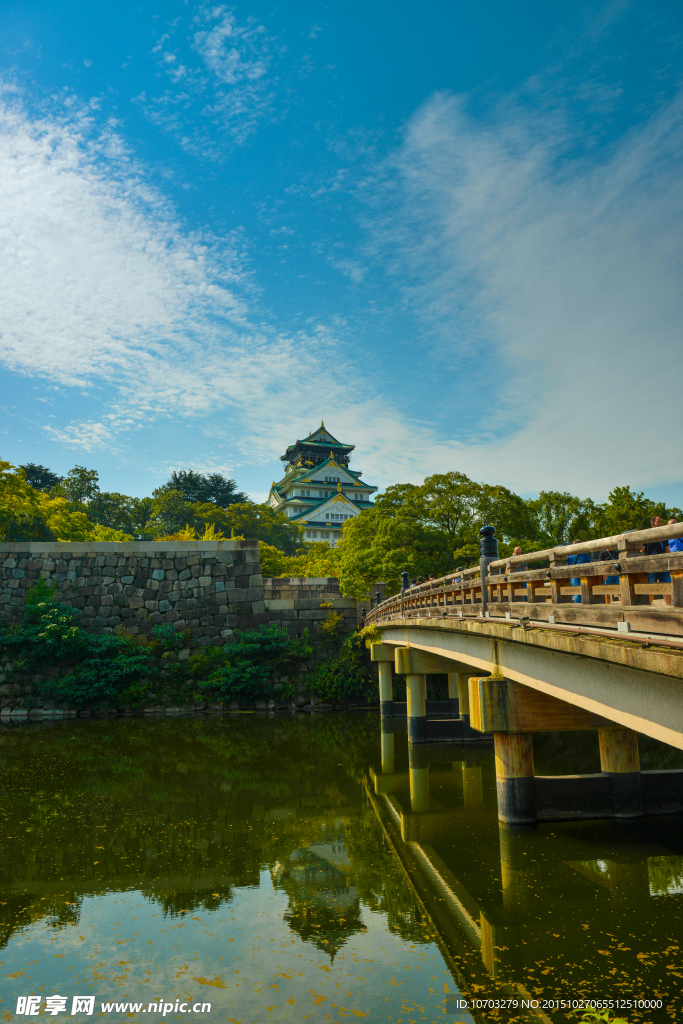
(103, 288)
(219, 102)
(570, 269)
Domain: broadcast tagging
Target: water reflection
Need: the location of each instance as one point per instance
(317, 867)
(576, 909)
(235, 861)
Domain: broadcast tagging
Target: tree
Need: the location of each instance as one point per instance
(560, 516)
(120, 512)
(316, 559)
(211, 488)
(27, 514)
(628, 510)
(40, 477)
(170, 512)
(78, 487)
(376, 547)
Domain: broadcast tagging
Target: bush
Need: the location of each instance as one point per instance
(345, 676)
(114, 669)
(98, 668)
(240, 670)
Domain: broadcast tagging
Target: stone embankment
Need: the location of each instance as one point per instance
(204, 589)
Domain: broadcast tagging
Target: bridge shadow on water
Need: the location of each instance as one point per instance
(309, 867)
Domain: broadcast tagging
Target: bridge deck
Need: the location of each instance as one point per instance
(629, 680)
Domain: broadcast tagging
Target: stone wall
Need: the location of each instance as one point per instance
(208, 587)
(299, 603)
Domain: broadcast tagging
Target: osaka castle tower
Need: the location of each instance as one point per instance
(318, 490)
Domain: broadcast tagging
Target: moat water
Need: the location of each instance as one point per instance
(270, 868)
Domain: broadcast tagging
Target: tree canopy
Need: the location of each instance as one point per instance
(207, 488)
(420, 529)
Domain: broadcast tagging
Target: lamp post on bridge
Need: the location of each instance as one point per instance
(405, 583)
(488, 552)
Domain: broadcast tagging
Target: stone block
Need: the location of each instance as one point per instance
(158, 574)
(166, 606)
(258, 607)
(256, 580)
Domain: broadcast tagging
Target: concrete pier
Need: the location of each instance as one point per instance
(515, 778)
(619, 758)
(416, 693)
(383, 654)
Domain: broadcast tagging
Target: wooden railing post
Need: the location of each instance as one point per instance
(677, 589)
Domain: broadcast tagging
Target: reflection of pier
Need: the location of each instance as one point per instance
(491, 890)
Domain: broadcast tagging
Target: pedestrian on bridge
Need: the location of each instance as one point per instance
(675, 543)
(575, 581)
(522, 568)
(657, 547)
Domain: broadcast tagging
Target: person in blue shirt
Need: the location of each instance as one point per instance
(675, 543)
(608, 556)
(575, 580)
(658, 547)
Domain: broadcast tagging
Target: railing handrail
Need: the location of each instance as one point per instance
(584, 547)
(627, 543)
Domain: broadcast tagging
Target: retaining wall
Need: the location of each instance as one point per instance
(208, 587)
(298, 603)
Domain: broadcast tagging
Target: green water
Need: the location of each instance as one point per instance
(279, 870)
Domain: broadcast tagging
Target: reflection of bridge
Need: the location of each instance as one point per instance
(522, 657)
(489, 889)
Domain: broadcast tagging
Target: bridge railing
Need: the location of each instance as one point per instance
(619, 588)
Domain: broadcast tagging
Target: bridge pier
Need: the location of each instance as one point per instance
(384, 656)
(416, 695)
(515, 778)
(619, 758)
(454, 693)
(388, 754)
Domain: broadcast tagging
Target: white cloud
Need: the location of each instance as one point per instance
(568, 268)
(104, 288)
(220, 101)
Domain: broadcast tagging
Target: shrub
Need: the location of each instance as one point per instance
(240, 670)
(97, 668)
(345, 676)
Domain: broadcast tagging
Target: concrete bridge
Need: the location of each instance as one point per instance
(523, 656)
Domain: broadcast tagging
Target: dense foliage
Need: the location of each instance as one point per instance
(117, 669)
(35, 505)
(420, 529)
(434, 528)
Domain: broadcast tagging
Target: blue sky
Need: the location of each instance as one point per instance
(452, 230)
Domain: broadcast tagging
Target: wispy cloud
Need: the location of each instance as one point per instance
(217, 102)
(104, 288)
(567, 268)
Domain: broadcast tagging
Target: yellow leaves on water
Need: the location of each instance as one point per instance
(216, 982)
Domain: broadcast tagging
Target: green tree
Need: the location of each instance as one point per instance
(212, 488)
(170, 512)
(40, 477)
(559, 516)
(78, 487)
(628, 510)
